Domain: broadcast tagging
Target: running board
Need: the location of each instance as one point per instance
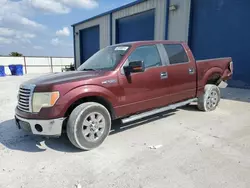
(157, 111)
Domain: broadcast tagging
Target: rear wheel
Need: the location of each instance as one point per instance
(88, 125)
(210, 99)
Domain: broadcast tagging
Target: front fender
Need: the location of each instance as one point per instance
(86, 91)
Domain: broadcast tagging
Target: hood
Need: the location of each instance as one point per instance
(64, 77)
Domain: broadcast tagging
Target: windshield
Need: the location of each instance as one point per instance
(105, 59)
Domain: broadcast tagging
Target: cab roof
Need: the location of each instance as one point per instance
(149, 42)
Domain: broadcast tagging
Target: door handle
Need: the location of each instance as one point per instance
(164, 75)
(191, 71)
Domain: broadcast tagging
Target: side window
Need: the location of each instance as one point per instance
(176, 53)
(148, 54)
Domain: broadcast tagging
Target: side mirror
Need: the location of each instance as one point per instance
(134, 66)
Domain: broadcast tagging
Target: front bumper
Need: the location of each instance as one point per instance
(52, 127)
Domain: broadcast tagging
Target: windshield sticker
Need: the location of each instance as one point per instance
(121, 48)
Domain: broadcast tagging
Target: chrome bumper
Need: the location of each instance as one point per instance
(52, 127)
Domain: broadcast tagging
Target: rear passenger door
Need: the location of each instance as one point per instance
(181, 71)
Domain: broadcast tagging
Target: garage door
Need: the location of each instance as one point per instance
(136, 27)
(221, 28)
(89, 42)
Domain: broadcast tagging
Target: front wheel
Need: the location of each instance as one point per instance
(88, 125)
(210, 99)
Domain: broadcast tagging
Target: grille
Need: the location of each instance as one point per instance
(24, 98)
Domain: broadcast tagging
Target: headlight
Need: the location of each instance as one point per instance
(43, 100)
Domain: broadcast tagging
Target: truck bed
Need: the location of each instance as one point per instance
(209, 68)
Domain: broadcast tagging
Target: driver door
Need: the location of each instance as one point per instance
(143, 90)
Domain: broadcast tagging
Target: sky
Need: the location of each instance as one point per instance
(43, 27)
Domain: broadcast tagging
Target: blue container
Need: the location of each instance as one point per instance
(2, 71)
(12, 69)
(19, 70)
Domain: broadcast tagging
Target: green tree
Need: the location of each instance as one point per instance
(15, 54)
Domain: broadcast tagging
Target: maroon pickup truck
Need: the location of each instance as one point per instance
(127, 81)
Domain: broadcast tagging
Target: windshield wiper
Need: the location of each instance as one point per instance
(88, 69)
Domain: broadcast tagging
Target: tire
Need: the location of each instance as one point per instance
(86, 135)
(210, 99)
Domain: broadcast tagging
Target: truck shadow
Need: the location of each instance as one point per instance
(190, 107)
(14, 139)
(118, 126)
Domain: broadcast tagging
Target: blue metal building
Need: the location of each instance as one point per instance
(212, 28)
(220, 28)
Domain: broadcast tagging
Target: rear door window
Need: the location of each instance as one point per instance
(176, 53)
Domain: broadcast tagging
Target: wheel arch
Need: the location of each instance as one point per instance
(212, 76)
(98, 99)
(214, 79)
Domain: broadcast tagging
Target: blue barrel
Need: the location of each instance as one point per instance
(19, 70)
(12, 69)
(2, 71)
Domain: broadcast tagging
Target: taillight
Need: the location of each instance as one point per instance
(230, 66)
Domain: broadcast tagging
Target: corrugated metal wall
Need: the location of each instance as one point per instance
(90, 42)
(137, 27)
(219, 22)
(177, 22)
(160, 16)
(221, 29)
(104, 24)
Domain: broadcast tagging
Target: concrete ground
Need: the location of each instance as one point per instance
(198, 150)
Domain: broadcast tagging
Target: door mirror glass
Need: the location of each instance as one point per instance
(134, 66)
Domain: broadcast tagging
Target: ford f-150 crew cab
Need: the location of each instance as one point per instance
(126, 81)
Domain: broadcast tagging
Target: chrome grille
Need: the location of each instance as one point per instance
(25, 97)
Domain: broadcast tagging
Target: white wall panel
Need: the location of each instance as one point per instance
(57, 68)
(38, 70)
(41, 61)
(36, 65)
(11, 60)
(62, 61)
